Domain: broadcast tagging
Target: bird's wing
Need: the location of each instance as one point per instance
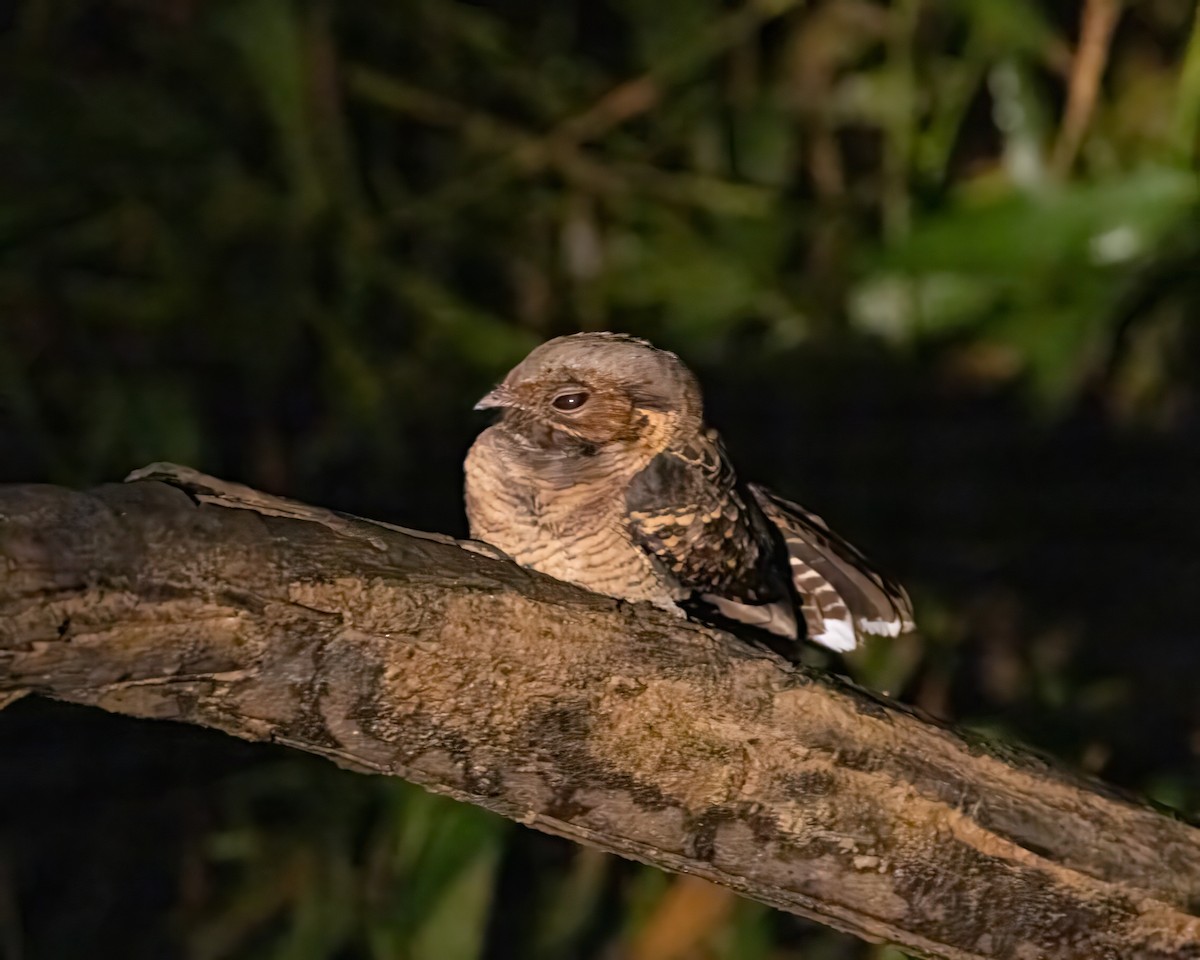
(687, 510)
(852, 598)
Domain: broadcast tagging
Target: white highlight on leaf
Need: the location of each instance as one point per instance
(1116, 245)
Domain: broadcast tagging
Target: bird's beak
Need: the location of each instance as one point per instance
(500, 397)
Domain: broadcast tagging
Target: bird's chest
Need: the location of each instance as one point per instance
(522, 511)
(569, 523)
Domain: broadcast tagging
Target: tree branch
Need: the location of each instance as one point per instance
(617, 726)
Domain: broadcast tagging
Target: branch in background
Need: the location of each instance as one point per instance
(1095, 38)
(620, 727)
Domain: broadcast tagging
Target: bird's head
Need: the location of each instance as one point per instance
(598, 389)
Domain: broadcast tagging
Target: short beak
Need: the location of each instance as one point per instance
(500, 397)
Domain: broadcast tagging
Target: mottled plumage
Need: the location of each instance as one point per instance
(600, 471)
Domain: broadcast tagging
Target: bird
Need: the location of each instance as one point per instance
(601, 471)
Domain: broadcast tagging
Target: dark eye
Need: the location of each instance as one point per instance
(569, 401)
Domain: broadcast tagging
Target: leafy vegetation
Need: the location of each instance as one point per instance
(935, 262)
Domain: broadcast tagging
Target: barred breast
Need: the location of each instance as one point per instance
(569, 524)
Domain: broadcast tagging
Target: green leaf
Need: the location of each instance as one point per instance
(663, 27)
(446, 856)
(747, 936)
(1088, 226)
(700, 286)
(268, 36)
(457, 924)
(1008, 27)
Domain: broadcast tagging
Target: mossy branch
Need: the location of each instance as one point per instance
(392, 652)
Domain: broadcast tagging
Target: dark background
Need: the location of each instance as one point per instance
(936, 264)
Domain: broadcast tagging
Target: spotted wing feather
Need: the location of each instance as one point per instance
(687, 510)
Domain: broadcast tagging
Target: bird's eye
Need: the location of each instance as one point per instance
(569, 401)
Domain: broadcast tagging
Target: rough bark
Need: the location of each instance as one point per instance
(621, 727)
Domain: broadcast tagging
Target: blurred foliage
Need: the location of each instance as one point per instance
(936, 263)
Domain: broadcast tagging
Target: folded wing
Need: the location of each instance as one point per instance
(687, 510)
(843, 598)
(754, 557)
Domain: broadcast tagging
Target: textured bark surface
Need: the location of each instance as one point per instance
(625, 728)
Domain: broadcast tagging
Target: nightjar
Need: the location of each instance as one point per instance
(601, 471)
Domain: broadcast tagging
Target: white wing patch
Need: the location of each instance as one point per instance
(883, 628)
(839, 635)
